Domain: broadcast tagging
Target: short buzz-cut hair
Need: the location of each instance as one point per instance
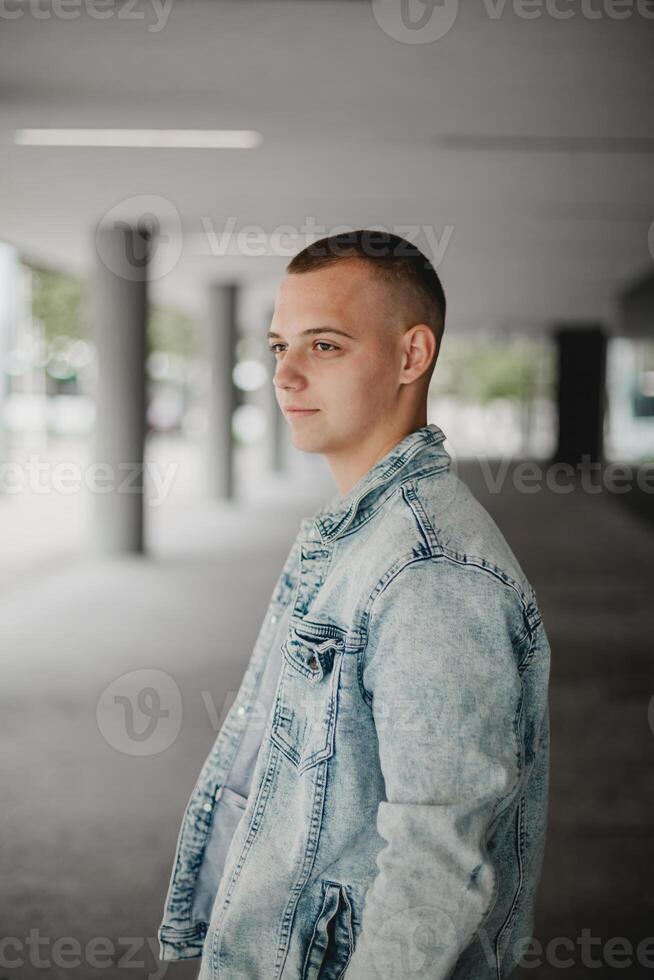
(393, 260)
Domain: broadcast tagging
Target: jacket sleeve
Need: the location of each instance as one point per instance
(439, 667)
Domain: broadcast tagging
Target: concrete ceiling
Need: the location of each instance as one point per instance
(517, 152)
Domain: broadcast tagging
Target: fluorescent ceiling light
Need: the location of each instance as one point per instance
(195, 139)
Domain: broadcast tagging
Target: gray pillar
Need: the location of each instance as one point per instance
(636, 307)
(276, 424)
(9, 290)
(223, 397)
(120, 338)
(581, 393)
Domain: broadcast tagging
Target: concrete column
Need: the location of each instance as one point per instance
(120, 338)
(276, 425)
(636, 307)
(223, 394)
(9, 290)
(581, 393)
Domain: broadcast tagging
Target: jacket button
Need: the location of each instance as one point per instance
(313, 663)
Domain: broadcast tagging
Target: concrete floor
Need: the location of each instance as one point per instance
(88, 830)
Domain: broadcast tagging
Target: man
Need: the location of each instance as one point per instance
(374, 806)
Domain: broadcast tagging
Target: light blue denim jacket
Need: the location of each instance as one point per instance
(374, 806)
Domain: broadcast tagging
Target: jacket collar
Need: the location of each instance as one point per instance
(420, 452)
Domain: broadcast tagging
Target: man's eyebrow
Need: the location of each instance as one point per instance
(314, 330)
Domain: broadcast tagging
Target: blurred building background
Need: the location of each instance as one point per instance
(161, 162)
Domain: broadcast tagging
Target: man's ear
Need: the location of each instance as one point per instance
(419, 349)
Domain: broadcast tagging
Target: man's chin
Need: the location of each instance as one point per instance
(307, 438)
(307, 443)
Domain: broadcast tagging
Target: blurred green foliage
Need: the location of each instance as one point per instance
(473, 370)
(173, 332)
(62, 303)
(478, 372)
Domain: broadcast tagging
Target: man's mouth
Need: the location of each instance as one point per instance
(296, 415)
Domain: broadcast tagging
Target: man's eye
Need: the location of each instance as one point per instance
(322, 344)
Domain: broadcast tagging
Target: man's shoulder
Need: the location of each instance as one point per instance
(438, 516)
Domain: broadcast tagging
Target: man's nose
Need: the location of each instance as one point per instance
(289, 371)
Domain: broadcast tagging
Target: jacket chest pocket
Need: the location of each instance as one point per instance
(304, 718)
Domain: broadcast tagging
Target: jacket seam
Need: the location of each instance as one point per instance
(363, 516)
(503, 802)
(399, 565)
(520, 836)
(381, 587)
(344, 525)
(410, 492)
(426, 528)
(410, 559)
(216, 927)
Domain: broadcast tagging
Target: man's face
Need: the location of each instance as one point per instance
(346, 372)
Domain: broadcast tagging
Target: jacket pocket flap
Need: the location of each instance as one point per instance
(313, 658)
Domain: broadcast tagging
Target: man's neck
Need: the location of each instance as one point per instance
(349, 465)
